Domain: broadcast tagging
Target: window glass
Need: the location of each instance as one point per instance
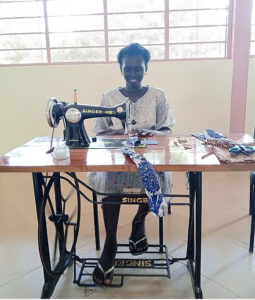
(194, 4)
(139, 20)
(21, 9)
(134, 5)
(23, 56)
(157, 52)
(21, 25)
(78, 55)
(74, 7)
(253, 48)
(197, 34)
(197, 50)
(95, 38)
(83, 30)
(124, 37)
(200, 17)
(71, 23)
(19, 41)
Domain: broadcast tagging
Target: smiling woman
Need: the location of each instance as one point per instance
(150, 109)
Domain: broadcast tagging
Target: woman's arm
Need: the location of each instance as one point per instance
(111, 132)
(104, 125)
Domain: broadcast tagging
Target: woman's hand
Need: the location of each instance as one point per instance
(143, 132)
(112, 132)
(150, 132)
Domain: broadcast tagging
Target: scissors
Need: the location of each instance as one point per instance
(237, 149)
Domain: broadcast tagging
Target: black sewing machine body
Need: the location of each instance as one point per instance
(73, 116)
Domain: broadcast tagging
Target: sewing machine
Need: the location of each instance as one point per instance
(73, 116)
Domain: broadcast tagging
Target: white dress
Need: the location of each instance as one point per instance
(151, 111)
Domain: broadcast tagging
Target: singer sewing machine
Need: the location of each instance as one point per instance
(73, 116)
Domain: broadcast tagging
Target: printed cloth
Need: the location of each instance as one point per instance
(150, 180)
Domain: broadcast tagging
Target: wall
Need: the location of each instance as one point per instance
(199, 92)
(250, 102)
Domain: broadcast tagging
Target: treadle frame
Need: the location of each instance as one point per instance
(139, 262)
(193, 254)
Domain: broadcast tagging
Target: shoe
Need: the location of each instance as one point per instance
(133, 246)
(107, 275)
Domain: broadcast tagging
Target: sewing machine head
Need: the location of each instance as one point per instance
(73, 116)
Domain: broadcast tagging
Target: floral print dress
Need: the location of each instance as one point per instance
(151, 111)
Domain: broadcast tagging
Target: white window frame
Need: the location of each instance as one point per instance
(166, 28)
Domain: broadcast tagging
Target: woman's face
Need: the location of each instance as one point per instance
(133, 69)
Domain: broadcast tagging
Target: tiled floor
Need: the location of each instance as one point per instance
(228, 270)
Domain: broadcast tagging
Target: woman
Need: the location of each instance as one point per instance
(150, 109)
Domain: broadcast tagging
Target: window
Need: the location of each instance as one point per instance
(252, 49)
(64, 31)
(198, 28)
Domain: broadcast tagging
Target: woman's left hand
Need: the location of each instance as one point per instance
(143, 132)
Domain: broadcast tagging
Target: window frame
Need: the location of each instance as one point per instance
(106, 30)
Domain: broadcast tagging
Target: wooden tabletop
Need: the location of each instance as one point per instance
(167, 155)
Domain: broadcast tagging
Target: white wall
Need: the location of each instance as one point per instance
(199, 92)
(250, 102)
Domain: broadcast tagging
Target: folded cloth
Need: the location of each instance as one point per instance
(224, 156)
(150, 180)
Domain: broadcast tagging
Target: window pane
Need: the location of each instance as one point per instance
(253, 49)
(21, 9)
(22, 41)
(113, 52)
(189, 18)
(157, 52)
(74, 55)
(202, 34)
(67, 24)
(153, 36)
(67, 7)
(134, 5)
(197, 50)
(191, 4)
(22, 25)
(141, 20)
(23, 57)
(253, 32)
(253, 15)
(77, 39)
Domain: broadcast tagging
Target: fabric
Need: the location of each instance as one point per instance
(151, 111)
(224, 156)
(150, 180)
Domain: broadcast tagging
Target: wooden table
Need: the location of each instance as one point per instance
(167, 155)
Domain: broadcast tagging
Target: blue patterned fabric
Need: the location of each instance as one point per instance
(150, 179)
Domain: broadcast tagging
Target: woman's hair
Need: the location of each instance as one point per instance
(134, 49)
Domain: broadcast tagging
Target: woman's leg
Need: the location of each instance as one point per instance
(107, 259)
(138, 241)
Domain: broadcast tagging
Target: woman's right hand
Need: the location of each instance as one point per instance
(112, 132)
(142, 132)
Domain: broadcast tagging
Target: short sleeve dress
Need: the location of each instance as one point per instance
(151, 111)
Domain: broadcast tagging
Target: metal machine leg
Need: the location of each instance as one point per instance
(96, 225)
(195, 180)
(58, 221)
(49, 281)
(161, 234)
(252, 213)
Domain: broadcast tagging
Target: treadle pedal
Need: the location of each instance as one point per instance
(148, 266)
(85, 275)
